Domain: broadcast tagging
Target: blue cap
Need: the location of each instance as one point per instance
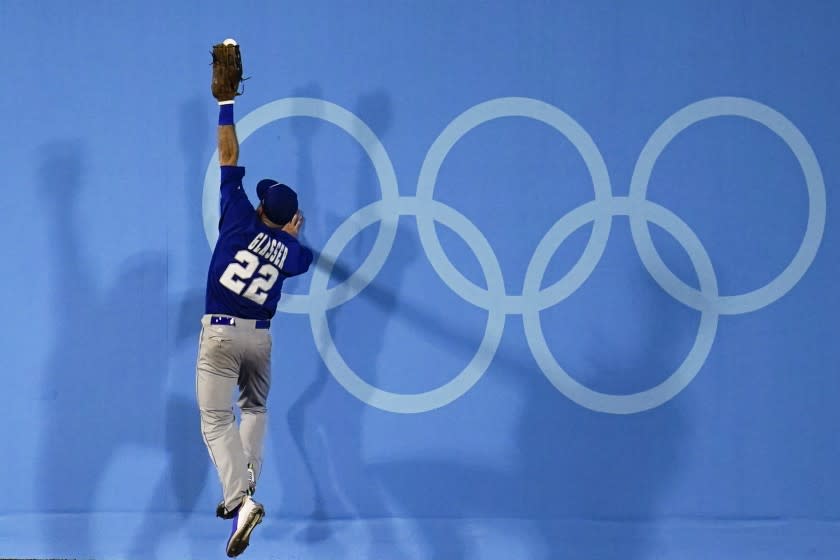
(279, 201)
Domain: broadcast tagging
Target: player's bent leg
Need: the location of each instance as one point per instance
(216, 379)
(222, 439)
(252, 430)
(254, 385)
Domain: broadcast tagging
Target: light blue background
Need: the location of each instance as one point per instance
(110, 127)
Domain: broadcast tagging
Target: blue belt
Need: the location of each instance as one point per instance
(231, 322)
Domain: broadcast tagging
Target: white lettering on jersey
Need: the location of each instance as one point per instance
(256, 241)
(272, 250)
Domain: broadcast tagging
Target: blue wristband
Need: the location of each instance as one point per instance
(226, 114)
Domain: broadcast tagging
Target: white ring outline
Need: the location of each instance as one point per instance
(795, 141)
(693, 362)
(592, 158)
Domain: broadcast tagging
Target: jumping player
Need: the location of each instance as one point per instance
(255, 252)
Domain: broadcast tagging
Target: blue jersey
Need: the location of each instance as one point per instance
(250, 260)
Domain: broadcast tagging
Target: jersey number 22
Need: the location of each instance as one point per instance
(240, 277)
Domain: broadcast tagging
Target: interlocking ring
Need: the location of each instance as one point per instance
(533, 298)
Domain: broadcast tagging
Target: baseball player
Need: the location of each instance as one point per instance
(255, 252)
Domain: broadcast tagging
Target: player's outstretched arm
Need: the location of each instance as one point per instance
(228, 142)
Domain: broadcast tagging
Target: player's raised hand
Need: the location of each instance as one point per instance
(294, 225)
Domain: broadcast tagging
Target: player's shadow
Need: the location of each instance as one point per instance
(193, 133)
(103, 382)
(176, 492)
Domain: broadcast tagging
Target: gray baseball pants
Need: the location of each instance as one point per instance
(231, 356)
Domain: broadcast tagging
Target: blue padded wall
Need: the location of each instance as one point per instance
(575, 297)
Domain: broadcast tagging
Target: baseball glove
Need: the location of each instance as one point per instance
(227, 72)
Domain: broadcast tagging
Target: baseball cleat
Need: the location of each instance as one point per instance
(248, 516)
(223, 513)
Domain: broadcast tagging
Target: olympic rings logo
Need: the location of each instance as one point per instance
(533, 298)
